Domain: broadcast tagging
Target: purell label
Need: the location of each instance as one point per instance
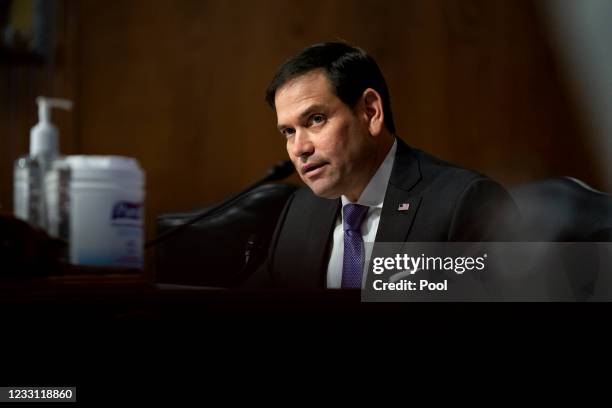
(106, 197)
(125, 210)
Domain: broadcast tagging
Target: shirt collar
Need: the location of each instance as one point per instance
(374, 193)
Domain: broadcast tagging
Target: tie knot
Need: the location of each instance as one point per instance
(353, 215)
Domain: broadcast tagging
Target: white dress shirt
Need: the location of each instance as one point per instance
(373, 196)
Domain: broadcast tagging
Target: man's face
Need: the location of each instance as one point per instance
(327, 141)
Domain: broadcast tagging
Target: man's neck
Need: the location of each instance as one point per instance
(382, 149)
(386, 141)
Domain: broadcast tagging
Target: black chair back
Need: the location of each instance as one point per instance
(563, 209)
(224, 249)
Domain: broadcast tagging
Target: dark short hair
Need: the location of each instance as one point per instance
(349, 70)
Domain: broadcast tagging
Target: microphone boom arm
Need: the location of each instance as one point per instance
(278, 172)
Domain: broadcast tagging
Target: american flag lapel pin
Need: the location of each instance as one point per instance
(403, 207)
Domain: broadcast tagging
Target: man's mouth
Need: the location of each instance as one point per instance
(310, 168)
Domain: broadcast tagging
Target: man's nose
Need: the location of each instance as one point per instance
(302, 144)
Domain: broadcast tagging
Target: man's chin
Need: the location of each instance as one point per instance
(323, 191)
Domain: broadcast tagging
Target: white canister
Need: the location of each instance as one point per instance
(105, 203)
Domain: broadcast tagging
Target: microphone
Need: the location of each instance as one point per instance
(279, 171)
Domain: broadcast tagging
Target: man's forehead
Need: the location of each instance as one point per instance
(309, 84)
(300, 93)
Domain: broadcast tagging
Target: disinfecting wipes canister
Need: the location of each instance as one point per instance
(104, 199)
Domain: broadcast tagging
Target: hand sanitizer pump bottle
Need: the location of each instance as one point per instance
(30, 170)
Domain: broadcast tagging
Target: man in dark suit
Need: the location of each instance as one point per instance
(364, 183)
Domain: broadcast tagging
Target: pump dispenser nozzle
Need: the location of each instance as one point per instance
(43, 136)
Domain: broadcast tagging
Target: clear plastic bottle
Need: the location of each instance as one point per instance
(28, 191)
(30, 171)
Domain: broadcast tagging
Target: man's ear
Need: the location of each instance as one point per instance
(373, 111)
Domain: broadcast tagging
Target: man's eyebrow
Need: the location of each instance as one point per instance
(307, 112)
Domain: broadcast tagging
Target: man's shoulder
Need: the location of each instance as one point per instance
(434, 167)
(469, 205)
(440, 176)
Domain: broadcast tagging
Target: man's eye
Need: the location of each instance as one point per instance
(317, 119)
(288, 132)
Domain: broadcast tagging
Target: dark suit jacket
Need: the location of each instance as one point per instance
(446, 203)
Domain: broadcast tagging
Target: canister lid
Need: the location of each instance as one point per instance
(118, 169)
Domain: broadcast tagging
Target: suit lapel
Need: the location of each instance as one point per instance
(395, 223)
(313, 265)
(401, 203)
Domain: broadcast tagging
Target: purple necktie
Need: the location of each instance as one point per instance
(352, 266)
